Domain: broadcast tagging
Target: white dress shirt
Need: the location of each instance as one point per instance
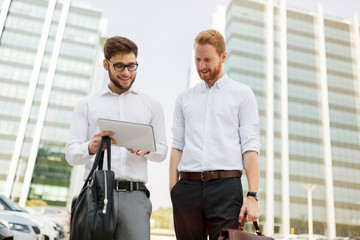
(215, 126)
(131, 106)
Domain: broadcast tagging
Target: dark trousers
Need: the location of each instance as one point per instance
(202, 208)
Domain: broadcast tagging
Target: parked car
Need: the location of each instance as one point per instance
(21, 228)
(284, 237)
(5, 233)
(47, 227)
(312, 237)
(58, 214)
(57, 226)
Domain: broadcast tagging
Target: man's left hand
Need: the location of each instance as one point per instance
(137, 152)
(250, 210)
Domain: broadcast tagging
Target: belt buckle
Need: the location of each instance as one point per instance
(202, 177)
(119, 189)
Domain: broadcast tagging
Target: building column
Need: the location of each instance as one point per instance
(3, 14)
(269, 217)
(29, 99)
(44, 104)
(285, 199)
(325, 117)
(356, 41)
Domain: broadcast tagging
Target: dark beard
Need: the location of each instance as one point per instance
(117, 84)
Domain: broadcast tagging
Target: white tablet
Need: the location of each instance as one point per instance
(130, 135)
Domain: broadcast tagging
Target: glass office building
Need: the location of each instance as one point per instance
(304, 68)
(47, 52)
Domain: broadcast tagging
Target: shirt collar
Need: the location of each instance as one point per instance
(106, 89)
(219, 83)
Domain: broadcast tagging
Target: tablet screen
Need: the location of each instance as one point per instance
(130, 135)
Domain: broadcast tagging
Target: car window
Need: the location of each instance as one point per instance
(49, 211)
(8, 205)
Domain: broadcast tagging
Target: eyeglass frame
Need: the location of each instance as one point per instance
(125, 66)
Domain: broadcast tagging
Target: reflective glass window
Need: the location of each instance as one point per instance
(12, 90)
(51, 133)
(66, 81)
(342, 99)
(337, 31)
(21, 40)
(78, 50)
(64, 99)
(340, 65)
(84, 21)
(302, 41)
(15, 55)
(29, 9)
(81, 35)
(13, 109)
(302, 92)
(303, 110)
(7, 147)
(300, 22)
(248, 29)
(74, 66)
(58, 115)
(8, 127)
(246, 63)
(26, 25)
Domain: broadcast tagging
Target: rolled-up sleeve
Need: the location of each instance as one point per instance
(178, 129)
(249, 127)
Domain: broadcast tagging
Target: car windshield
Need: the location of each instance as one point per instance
(9, 205)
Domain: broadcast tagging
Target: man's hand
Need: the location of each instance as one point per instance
(250, 210)
(138, 152)
(95, 141)
(173, 171)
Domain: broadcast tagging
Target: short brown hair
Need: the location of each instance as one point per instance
(115, 45)
(212, 37)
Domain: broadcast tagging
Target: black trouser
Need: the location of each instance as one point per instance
(202, 208)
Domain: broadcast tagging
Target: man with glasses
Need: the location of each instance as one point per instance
(119, 100)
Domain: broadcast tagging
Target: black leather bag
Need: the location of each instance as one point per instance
(239, 234)
(92, 214)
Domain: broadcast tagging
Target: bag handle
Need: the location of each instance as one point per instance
(256, 225)
(99, 158)
(108, 155)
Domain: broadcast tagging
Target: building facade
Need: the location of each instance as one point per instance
(47, 52)
(304, 68)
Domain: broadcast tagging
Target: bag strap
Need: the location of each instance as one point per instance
(108, 155)
(99, 158)
(256, 225)
(257, 229)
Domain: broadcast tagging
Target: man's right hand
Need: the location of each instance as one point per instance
(171, 185)
(95, 141)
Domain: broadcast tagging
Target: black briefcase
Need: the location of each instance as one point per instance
(92, 214)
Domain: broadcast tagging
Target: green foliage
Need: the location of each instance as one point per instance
(162, 219)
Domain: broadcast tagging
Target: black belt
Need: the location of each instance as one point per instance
(210, 175)
(129, 186)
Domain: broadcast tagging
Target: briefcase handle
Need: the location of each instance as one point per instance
(256, 225)
(99, 158)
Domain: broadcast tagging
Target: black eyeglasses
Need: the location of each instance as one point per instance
(119, 67)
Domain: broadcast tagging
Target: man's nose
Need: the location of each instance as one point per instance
(201, 65)
(125, 71)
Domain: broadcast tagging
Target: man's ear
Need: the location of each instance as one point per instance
(223, 57)
(106, 65)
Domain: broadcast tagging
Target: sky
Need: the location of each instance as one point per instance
(164, 31)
